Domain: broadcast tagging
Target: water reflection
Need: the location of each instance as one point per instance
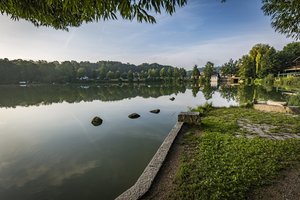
(50, 150)
(12, 96)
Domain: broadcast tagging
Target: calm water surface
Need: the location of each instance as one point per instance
(50, 150)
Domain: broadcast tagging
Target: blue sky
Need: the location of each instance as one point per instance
(204, 30)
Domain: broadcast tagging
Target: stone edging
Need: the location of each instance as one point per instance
(145, 181)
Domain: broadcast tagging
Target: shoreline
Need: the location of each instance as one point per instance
(166, 181)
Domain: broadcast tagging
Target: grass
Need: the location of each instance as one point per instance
(218, 165)
(225, 120)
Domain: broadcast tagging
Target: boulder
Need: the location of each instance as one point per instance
(172, 98)
(156, 111)
(134, 116)
(97, 121)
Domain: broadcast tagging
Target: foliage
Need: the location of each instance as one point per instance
(81, 72)
(246, 67)
(288, 54)
(14, 71)
(64, 14)
(228, 92)
(263, 60)
(208, 70)
(204, 109)
(195, 72)
(269, 79)
(208, 90)
(294, 100)
(163, 73)
(230, 68)
(288, 82)
(222, 166)
(285, 16)
(262, 55)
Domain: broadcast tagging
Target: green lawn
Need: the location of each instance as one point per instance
(219, 165)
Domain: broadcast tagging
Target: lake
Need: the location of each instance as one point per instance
(50, 150)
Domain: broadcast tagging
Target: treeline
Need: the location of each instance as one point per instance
(15, 71)
(262, 60)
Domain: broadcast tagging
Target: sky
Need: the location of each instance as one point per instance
(203, 30)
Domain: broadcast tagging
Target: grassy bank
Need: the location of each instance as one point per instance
(219, 165)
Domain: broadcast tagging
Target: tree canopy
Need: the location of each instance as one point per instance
(264, 60)
(285, 16)
(62, 14)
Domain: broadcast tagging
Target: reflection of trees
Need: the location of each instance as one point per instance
(249, 93)
(228, 92)
(195, 90)
(245, 94)
(12, 96)
(266, 93)
(208, 91)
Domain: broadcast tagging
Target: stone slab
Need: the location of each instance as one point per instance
(190, 117)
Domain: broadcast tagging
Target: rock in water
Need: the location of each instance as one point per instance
(172, 98)
(97, 121)
(156, 111)
(134, 116)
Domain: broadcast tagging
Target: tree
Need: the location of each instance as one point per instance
(207, 91)
(170, 72)
(286, 57)
(262, 55)
(195, 72)
(176, 73)
(182, 72)
(110, 75)
(130, 75)
(285, 15)
(64, 14)
(153, 73)
(246, 67)
(117, 74)
(66, 71)
(163, 72)
(101, 72)
(208, 70)
(230, 68)
(81, 72)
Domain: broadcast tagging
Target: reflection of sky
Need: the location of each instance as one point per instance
(51, 149)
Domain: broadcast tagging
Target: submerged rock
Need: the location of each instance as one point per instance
(134, 116)
(156, 111)
(97, 121)
(172, 98)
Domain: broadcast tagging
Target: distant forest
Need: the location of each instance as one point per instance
(15, 71)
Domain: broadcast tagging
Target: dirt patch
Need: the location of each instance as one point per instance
(264, 131)
(286, 187)
(164, 184)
